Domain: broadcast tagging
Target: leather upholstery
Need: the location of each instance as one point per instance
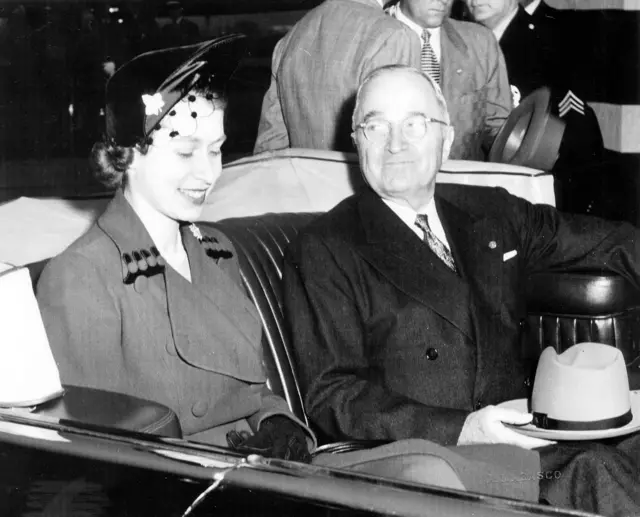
(565, 309)
(260, 242)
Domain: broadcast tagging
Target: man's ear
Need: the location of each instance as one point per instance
(448, 135)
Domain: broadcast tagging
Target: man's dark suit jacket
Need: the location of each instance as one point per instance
(391, 344)
(537, 54)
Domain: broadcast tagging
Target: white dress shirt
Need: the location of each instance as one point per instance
(499, 29)
(531, 8)
(434, 39)
(408, 216)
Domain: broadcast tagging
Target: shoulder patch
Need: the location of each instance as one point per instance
(570, 102)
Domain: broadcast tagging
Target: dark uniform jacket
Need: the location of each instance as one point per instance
(536, 54)
(194, 347)
(391, 344)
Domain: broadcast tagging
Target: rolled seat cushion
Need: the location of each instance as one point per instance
(565, 308)
(105, 408)
(585, 293)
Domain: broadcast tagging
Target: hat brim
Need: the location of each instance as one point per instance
(551, 434)
(531, 135)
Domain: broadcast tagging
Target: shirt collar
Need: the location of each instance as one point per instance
(434, 34)
(499, 29)
(531, 8)
(408, 217)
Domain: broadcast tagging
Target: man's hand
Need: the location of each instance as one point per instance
(487, 426)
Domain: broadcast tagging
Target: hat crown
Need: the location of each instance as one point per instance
(590, 356)
(586, 383)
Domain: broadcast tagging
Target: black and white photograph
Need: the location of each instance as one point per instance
(319, 257)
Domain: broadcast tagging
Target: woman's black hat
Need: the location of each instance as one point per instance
(145, 89)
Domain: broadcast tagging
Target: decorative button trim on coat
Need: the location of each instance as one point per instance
(145, 262)
(211, 245)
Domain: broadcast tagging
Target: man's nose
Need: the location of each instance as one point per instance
(396, 140)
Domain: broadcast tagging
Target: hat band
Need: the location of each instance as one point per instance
(542, 421)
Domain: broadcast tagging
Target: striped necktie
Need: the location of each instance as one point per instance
(428, 61)
(436, 245)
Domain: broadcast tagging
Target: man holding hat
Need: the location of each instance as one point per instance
(405, 301)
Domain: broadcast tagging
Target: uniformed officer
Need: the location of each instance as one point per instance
(536, 56)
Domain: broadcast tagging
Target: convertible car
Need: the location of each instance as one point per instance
(92, 452)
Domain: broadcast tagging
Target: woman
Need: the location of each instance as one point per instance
(146, 303)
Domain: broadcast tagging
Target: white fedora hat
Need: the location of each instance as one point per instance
(582, 393)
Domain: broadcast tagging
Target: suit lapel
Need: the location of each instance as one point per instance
(477, 247)
(455, 63)
(408, 263)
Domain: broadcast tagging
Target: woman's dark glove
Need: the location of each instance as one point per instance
(278, 437)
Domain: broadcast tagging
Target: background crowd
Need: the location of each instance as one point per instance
(55, 59)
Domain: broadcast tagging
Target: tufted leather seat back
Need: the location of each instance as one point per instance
(261, 242)
(568, 308)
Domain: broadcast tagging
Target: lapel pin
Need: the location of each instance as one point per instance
(493, 245)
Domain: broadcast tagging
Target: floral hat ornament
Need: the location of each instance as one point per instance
(145, 90)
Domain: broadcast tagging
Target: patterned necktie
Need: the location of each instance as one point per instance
(428, 61)
(436, 245)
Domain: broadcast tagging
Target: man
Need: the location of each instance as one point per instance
(316, 70)
(536, 56)
(471, 70)
(404, 302)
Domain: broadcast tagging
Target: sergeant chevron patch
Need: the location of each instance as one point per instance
(571, 102)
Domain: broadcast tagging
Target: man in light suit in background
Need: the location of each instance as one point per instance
(470, 71)
(316, 69)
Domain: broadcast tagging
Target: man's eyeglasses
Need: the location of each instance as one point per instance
(414, 129)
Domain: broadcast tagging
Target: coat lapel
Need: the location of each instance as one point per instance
(408, 263)
(477, 246)
(215, 325)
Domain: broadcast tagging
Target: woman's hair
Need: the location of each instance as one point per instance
(110, 161)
